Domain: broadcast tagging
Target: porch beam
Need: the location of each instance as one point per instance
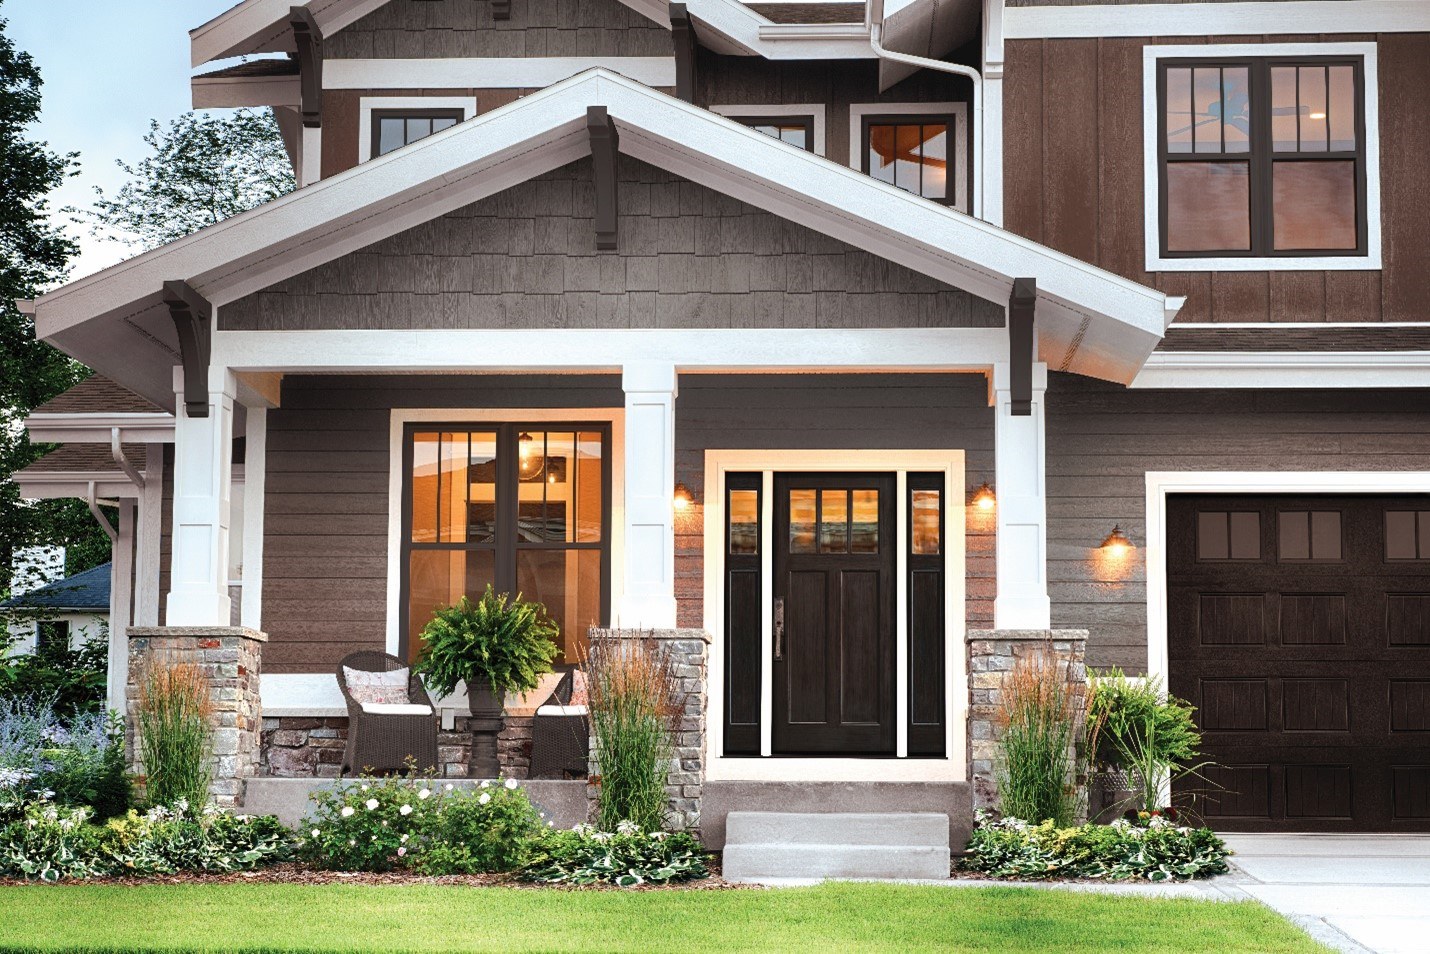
(1019, 466)
(203, 475)
(1021, 305)
(308, 38)
(649, 521)
(605, 142)
(192, 315)
(682, 34)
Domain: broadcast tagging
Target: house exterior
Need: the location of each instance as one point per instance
(70, 611)
(843, 335)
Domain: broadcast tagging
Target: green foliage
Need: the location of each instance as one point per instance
(70, 680)
(632, 709)
(1135, 725)
(175, 734)
(499, 641)
(40, 841)
(488, 829)
(202, 169)
(626, 857)
(1038, 714)
(78, 758)
(1158, 850)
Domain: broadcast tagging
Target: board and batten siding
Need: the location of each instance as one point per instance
(430, 29)
(1073, 179)
(688, 257)
(1102, 440)
(821, 412)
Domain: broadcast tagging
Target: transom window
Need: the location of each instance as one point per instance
(1262, 157)
(523, 508)
(395, 128)
(912, 152)
(795, 130)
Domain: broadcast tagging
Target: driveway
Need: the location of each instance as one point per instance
(1355, 892)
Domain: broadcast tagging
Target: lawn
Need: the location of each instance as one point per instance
(856, 917)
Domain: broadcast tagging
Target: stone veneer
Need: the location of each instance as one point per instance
(306, 747)
(992, 655)
(688, 650)
(229, 657)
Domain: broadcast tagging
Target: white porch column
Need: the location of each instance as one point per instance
(310, 155)
(255, 472)
(149, 529)
(649, 598)
(121, 603)
(1022, 600)
(203, 472)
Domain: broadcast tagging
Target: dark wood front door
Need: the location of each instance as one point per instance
(1300, 629)
(834, 598)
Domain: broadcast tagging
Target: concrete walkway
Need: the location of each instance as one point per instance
(1358, 893)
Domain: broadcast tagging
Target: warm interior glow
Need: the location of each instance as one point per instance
(984, 499)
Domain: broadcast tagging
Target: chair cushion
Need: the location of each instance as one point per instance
(382, 687)
(392, 708)
(580, 696)
(561, 711)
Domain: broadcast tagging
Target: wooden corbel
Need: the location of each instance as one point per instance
(309, 41)
(192, 315)
(501, 9)
(682, 33)
(1021, 305)
(604, 145)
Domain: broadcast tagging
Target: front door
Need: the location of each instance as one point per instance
(834, 592)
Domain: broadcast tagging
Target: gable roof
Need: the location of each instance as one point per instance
(97, 394)
(88, 590)
(1089, 320)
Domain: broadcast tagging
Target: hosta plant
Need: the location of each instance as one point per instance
(627, 857)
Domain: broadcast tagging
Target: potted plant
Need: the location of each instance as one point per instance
(1138, 737)
(496, 645)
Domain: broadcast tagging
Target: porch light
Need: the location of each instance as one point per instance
(983, 497)
(683, 499)
(1116, 544)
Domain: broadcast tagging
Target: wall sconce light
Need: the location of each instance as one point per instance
(1116, 544)
(683, 498)
(983, 497)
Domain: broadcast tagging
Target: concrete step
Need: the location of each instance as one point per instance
(898, 845)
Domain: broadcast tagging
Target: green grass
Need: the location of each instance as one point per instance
(844, 917)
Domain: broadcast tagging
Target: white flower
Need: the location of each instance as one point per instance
(486, 783)
(484, 799)
(405, 810)
(425, 794)
(404, 839)
(449, 786)
(347, 811)
(371, 804)
(352, 842)
(511, 783)
(401, 852)
(365, 788)
(315, 833)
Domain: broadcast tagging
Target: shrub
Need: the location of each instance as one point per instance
(1038, 716)
(1134, 724)
(369, 825)
(487, 829)
(626, 857)
(79, 758)
(1156, 850)
(174, 733)
(69, 680)
(498, 641)
(632, 691)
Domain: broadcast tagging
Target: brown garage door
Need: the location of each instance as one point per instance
(1300, 629)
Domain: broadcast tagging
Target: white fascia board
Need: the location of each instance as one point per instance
(55, 485)
(489, 72)
(543, 131)
(225, 92)
(1308, 17)
(1286, 369)
(135, 428)
(261, 26)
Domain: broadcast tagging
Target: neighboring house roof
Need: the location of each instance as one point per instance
(98, 394)
(83, 591)
(1090, 321)
(810, 12)
(1360, 337)
(69, 470)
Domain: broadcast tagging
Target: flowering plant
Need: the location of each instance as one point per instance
(627, 857)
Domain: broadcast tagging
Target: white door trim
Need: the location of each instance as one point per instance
(1162, 483)
(951, 768)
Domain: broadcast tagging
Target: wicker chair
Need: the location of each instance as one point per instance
(560, 742)
(381, 741)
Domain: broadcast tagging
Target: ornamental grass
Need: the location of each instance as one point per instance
(175, 733)
(633, 718)
(1039, 716)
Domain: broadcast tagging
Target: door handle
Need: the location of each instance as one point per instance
(779, 629)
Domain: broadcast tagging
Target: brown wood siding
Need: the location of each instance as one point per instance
(689, 257)
(420, 29)
(1073, 180)
(1102, 440)
(815, 412)
(325, 574)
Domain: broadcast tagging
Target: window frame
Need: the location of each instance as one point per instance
(505, 547)
(813, 114)
(457, 114)
(1259, 58)
(954, 115)
(369, 106)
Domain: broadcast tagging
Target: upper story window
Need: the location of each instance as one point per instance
(916, 147)
(395, 128)
(1262, 162)
(799, 124)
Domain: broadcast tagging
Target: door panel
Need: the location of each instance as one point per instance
(834, 571)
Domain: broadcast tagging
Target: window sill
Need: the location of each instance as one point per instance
(1317, 263)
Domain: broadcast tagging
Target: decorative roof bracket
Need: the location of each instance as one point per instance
(309, 40)
(605, 143)
(192, 314)
(682, 32)
(1021, 305)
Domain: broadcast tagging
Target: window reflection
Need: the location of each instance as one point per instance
(927, 523)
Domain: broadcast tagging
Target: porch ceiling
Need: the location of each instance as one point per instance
(1089, 321)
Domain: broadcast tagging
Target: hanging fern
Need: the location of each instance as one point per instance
(498, 640)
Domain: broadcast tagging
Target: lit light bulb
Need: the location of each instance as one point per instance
(984, 499)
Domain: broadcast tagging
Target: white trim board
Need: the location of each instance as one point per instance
(817, 110)
(368, 104)
(1151, 166)
(768, 767)
(1217, 19)
(490, 72)
(1161, 484)
(958, 154)
(1285, 369)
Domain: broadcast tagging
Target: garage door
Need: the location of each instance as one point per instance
(1300, 629)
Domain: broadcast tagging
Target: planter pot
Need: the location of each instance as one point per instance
(1109, 794)
(486, 710)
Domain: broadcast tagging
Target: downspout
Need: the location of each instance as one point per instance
(923, 62)
(116, 450)
(104, 523)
